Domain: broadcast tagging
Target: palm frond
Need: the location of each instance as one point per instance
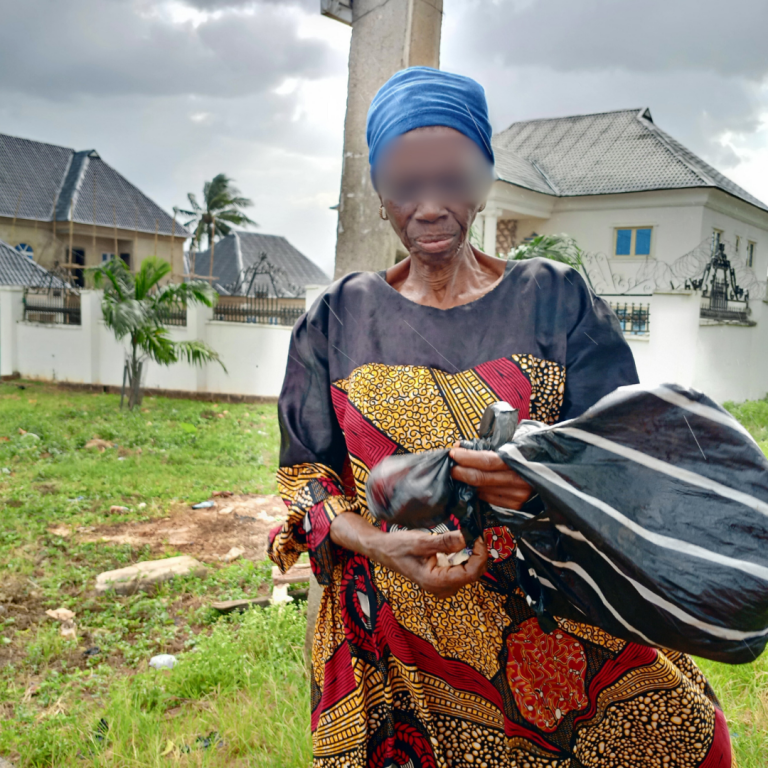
(222, 229)
(197, 353)
(156, 344)
(124, 317)
(153, 269)
(239, 202)
(194, 292)
(115, 275)
(236, 217)
(193, 203)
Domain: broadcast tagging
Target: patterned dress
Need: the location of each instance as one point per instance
(400, 677)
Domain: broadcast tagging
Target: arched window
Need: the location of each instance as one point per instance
(26, 249)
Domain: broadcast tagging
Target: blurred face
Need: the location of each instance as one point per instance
(432, 182)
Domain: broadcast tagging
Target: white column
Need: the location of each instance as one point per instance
(198, 317)
(490, 218)
(90, 315)
(11, 313)
(311, 294)
(674, 336)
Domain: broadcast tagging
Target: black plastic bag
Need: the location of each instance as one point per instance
(416, 490)
(654, 524)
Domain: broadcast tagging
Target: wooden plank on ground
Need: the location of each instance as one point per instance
(297, 574)
(230, 606)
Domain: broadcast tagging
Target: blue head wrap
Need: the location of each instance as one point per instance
(421, 96)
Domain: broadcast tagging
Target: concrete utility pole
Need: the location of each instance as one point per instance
(387, 35)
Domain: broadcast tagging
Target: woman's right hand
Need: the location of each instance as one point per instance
(412, 553)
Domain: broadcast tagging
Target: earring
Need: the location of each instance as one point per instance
(382, 213)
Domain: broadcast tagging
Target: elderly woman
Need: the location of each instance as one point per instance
(417, 664)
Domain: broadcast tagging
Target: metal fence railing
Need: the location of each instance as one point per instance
(258, 309)
(635, 319)
(52, 306)
(175, 315)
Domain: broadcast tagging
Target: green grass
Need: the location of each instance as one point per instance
(754, 416)
(239, 695)
(241, 679)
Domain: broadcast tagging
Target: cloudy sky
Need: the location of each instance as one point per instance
(171, 92)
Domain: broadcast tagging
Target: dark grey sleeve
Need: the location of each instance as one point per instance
(598, 358)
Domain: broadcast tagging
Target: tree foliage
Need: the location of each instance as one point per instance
(222, 206)
(136, 307)
(562, 248)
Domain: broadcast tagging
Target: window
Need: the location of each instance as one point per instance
(77, 256)
(751, 253)
(633, 241)
(107, 256)
(26, 250)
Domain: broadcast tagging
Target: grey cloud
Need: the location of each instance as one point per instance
(115, 47)
(213, 5)
(650, 36)
(550, 58)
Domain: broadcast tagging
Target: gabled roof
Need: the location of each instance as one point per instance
(601, 154)
(18, 269)
(34, 176)
(235, 253)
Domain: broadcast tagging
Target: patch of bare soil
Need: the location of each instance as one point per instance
(207, 534)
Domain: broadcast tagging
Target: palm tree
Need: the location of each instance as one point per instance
(222, 207)
(136, 306)
(563, 248)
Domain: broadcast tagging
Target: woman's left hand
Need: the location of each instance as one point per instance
(496, 483)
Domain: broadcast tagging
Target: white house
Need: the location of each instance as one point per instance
(648, 213)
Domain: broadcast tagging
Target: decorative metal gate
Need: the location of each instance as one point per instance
(722, 297)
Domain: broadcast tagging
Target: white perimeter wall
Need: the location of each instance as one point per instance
(254, 355)
(727, 362)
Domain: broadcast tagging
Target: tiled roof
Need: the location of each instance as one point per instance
(18, 269)
(33, 175)
(606, 153)
(236, 252)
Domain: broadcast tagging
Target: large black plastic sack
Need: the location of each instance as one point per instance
(656, 521)
(654, 524)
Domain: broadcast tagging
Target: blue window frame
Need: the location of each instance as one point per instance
(643, 242)
(633, 241)
(623, 242)
(26, 250)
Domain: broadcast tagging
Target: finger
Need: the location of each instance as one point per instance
(477, 477)
(430, 544)
(478, 563)
(445, 581)
(507, 499)
(454, 577)
(486, 460)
